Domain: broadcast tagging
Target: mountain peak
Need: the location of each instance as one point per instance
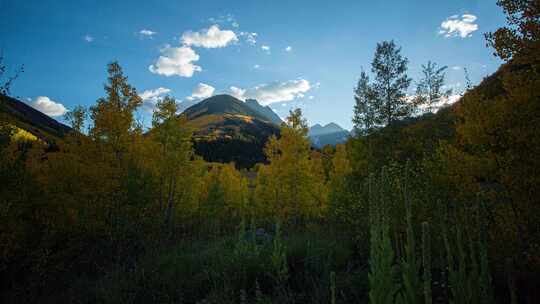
(333, 126)
(330, 133)
(318, 129)
(265, 111)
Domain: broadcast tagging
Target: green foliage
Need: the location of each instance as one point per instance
(410, 267)
(382, 268)
(426, 262)
(428, 90)
(520, 39)
(119, 216)
(113, 121)
(364, 119)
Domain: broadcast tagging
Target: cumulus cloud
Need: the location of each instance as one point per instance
(150, 97)
(462, 26)
(212, 37)
(288, 48)
(176, 61)
(201, 91)
(147, 33)
(273, 92)
(47, 106)
(88, 38)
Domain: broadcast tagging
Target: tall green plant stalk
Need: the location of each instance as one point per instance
(278, 261)
(332, 287)
(410, 267)
(486, 292)
(426, 261)
(381, 261)
(468, 274)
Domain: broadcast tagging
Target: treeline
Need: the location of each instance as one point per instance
(432, 208)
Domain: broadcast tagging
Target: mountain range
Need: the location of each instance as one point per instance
(329, 134)
(226, 129)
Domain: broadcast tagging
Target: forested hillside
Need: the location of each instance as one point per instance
(217, 204)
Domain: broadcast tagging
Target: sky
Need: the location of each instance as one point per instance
(285, 54)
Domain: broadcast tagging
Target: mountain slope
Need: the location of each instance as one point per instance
(227, 130)
(266, 111)
(31, 120)
(222, 104)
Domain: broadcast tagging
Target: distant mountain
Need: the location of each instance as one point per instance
(227, 130)
(317, 129)
(265, 111)
(330, 134)
(222, 104)
(31, 120)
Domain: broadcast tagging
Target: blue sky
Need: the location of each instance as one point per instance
(208, 47)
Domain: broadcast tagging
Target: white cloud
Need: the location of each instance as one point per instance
(201, 91)
(48, 106)
(455, 26)
(237, 92)
(288, 48)
(154, 94)
(235, 24)
(256, 67)
(176, 61)
(251, 38)
(444, 101)
(311, 97)
(274, 92)
(150, 97)
(88, 38)
(212, 37)
(147, 33)
(266, 48)
(456, 68)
